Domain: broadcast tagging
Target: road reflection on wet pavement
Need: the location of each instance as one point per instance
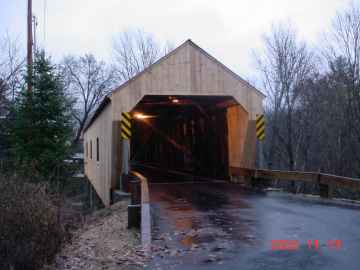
(221, 226)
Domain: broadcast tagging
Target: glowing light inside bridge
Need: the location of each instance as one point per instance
(141, 116)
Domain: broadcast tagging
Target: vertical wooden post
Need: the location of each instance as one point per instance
(326, 190)
(249, 150)
(125, 161)
(126, 156)
(116, 154)
(91, 196)
(261, 155)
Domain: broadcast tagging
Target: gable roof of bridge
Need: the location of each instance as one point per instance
(197, 47)
(107, 99)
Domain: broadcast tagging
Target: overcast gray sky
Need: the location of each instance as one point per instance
(229, 30)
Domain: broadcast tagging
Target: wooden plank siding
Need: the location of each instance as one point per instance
(99, 172)
(186, 71)
(237, 121)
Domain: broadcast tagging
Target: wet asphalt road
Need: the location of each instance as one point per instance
(221, 226)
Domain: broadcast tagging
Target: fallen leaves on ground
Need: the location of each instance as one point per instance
(103, 243)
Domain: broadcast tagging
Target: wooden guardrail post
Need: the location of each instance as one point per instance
(134, 209)
(135, 189)
(125, 182)
(243, 175)
(325, 189)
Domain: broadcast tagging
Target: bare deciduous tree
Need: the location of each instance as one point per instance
(344, 43)
(285, 65)
(134, 51)
(12, 63)
(344, 38)
(313, 111)
(88, 80)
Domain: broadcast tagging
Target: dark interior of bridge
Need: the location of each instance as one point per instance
(182, 133)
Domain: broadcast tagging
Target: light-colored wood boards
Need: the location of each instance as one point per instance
(187, 71)
(99, 172)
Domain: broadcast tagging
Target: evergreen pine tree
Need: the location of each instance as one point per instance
(42, 126)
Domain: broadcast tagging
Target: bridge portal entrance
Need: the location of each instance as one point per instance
(191, 114)
(188, 134)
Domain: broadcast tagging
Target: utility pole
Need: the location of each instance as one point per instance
(35, 22)
(29, 45)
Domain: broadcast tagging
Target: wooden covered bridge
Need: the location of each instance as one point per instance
(189, 113)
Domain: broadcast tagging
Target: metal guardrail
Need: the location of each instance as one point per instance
(326, 181)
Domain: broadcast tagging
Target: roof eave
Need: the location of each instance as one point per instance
(98, 111)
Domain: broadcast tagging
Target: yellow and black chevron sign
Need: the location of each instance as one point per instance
(260, 127)
(126, 125)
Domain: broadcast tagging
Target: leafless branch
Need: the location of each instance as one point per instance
(89, 81)
(134, 51)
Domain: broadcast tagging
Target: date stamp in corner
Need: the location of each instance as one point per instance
(283, 244)
(292, 245)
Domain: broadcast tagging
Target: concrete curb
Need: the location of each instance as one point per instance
(145, 213)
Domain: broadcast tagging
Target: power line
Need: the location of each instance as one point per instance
(29, 44)
(45, 12)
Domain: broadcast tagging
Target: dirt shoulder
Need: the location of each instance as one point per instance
(104, 242)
